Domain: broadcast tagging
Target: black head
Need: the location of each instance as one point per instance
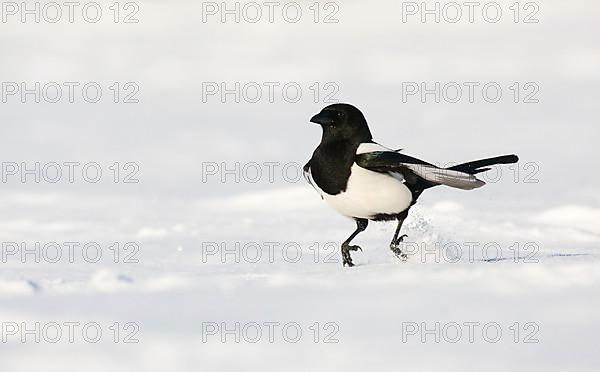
(342, 121)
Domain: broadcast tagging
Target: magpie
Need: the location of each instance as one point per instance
(364, 180)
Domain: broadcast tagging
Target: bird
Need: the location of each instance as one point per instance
(366, 181)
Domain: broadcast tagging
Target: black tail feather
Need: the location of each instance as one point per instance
(474, 167)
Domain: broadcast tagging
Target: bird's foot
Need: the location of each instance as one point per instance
(398, 252)
(395, 247)
(346, 258)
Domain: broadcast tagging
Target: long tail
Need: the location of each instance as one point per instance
(476, 166)
(461, 176)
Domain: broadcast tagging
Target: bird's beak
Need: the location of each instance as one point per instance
(322, 119)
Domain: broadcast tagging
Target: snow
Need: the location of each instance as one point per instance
(181, 285)
(519, 254)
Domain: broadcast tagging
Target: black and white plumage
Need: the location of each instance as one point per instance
(366, 181)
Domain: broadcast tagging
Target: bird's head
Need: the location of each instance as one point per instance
(342, 121)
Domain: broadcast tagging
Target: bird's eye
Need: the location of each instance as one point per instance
(340, 114)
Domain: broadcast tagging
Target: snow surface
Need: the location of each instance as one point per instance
(174, 286)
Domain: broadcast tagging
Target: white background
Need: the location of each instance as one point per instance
(172, 213)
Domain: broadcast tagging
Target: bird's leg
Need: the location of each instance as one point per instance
(361, 225)
(394, 245)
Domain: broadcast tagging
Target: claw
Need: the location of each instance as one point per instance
(355, 248)
(397, 251)
(346, 258)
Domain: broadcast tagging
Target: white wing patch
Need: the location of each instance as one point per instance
(371, 147)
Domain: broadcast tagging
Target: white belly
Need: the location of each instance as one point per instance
(370, 193)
